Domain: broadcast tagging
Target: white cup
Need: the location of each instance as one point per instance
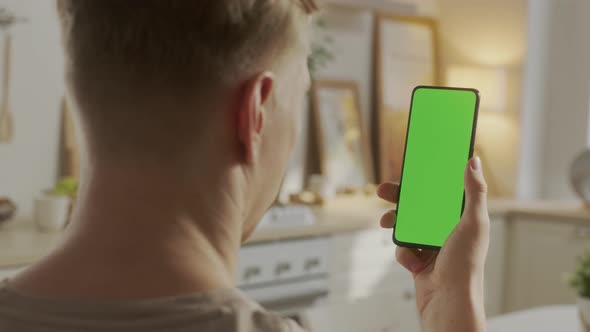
(52, 212)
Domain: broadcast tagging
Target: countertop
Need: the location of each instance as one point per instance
(21, 244)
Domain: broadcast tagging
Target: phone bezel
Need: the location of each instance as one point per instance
(470, 155)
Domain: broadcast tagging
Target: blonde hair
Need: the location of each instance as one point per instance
(176, 44)
(121, 53)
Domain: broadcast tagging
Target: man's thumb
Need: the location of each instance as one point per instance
(476, 188)
(469, 241)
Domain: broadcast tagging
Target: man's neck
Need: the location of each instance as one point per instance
(134, 239)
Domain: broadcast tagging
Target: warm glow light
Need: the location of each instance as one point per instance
(490, 81)
(491, 33)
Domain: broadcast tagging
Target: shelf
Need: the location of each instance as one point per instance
(406, 7)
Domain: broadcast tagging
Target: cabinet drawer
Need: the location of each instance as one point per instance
(269, 262)
(311, 260)
(383, 312)
(367, 250)
(363, 284)
(542, 252)
(372, 238)
(251, 268)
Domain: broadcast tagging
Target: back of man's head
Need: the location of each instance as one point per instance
(123, 56)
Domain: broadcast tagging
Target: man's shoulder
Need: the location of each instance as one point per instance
(220, 310)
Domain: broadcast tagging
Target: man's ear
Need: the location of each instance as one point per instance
(256, 95)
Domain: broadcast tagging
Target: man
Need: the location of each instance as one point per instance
(189, 112)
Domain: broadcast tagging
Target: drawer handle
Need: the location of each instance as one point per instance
(311, 264)
(251, 272)
(282, 268)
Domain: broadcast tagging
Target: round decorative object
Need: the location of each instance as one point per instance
(580, 176)
(7, 209)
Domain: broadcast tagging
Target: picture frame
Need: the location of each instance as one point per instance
(294, 180)
(345, 155)
(69, 149)
(406, 55)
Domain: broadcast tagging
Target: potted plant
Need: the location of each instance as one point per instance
(53, 207)
(321, 50)
(580, 282)
(67, 186)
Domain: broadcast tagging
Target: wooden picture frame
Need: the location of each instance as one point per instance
(345, 155)
(70, 152)
(294, 179)
(406, 55)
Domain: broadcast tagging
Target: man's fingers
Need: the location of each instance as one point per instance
(414, 260)
(469, 241)
(476, 188)
(388, 191)
(388, 220)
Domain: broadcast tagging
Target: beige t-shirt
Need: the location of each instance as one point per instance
(221, 311)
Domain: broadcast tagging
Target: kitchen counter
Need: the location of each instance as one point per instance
(338, 216)
(571, 211)
(21, 244)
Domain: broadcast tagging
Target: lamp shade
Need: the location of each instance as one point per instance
(490, 81)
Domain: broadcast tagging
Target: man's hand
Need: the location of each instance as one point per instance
(449, 283)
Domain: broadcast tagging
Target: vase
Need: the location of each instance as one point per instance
(52, 212)
(584, 308)
(7, 210)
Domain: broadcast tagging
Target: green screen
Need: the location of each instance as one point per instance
(437, 151)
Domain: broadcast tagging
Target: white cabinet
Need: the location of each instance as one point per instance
(369, 290)
(495, 268)
(379, 313)
(363, 264)
(288, 271)
(541, 252)
(364, 274)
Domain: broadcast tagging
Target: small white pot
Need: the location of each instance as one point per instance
(584, 307)
(52, 212)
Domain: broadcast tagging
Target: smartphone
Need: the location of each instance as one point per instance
(439, 143)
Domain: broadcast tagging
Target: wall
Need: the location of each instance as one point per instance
(29, 164)
(556, 102)
(351, 30)
(472, 32)
(349, 26)
(491, 34)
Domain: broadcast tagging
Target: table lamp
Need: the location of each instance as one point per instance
(491, 83)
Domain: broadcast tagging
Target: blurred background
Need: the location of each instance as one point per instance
(336, 269)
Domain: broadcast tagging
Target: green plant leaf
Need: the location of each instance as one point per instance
(67, 186)
(580, 279)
